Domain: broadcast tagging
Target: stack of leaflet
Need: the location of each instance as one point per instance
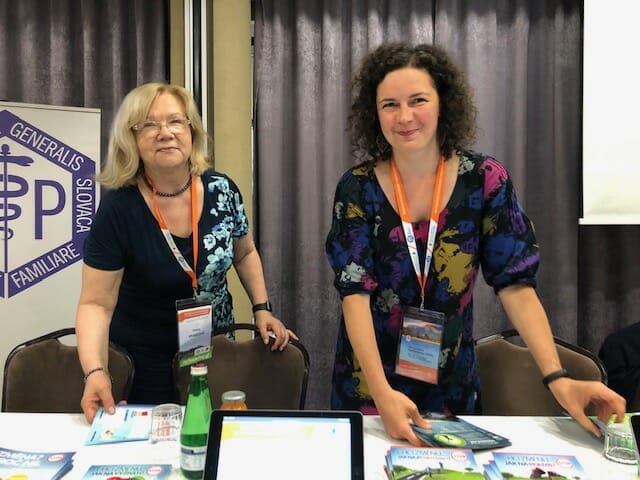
(128, 471)
(404, 463)
(22, 464)
(444, 463)
(508, 465)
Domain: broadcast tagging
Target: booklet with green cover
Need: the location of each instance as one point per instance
(522, 466)
(453, 432)
(403, 463)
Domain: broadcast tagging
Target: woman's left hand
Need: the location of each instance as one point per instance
(270, 326)
(576, 395)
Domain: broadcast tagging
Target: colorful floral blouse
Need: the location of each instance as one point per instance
(482, 225)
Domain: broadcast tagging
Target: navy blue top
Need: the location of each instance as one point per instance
(125, 234)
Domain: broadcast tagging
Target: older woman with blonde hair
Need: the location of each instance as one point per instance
(169, 228)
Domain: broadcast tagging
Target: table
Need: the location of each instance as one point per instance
(550, 435)
(48, 432)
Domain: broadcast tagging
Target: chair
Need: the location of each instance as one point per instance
(44, 375)
(512, 383)
(270, 379)
(620, 354)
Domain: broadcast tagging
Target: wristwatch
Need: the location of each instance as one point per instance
(262, 306)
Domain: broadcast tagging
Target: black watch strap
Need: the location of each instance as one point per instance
(262, 306)
(562, 373)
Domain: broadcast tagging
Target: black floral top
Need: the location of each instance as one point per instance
(125, 234)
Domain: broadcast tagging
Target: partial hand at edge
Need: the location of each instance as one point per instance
(575, 395)
(97, 391)
(396, 411)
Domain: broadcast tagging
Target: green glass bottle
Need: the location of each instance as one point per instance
(195, 426)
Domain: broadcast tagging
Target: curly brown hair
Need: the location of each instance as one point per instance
(457, 120)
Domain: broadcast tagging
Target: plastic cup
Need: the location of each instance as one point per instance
(619, 444)
(166, 421)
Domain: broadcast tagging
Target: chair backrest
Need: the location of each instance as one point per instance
(620, 354)
(270, 379)
(44, 375)
(512, 383)
(633, 405)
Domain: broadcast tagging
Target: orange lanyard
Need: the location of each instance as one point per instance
(169, 238)
(407, 226)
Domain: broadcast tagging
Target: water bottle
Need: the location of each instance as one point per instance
(195, 426)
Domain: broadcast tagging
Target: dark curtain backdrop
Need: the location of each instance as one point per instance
(81, 53)
(523, 59)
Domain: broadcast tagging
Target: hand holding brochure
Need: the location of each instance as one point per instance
(453, 432)
(128, 423)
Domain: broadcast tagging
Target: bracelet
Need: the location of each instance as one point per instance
(98, 369)
(554, 376)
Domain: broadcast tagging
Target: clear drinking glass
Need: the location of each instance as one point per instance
(619, 444)
(166, 421)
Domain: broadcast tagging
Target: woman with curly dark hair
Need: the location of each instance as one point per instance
(412, 225)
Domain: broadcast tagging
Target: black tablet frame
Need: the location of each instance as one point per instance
(634, 420)
(218, 416)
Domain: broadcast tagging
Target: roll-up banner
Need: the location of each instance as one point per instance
(49, 156)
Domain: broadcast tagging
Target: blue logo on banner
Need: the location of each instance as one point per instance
(45, 212)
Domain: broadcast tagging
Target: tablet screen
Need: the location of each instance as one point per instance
(284, 445)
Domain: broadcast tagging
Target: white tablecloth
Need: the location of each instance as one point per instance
(64, 432)
(550, 435)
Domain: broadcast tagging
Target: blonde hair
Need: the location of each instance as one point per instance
(123, 165)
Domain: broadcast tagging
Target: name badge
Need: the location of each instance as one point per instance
(419, 344)
(194, 330)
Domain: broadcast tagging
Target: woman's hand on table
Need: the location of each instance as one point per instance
(575, 395)
(396, 412)
(97, 392)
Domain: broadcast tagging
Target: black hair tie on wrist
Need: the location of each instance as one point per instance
(562, 373)
(99, 369)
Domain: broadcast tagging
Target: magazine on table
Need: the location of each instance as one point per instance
(28, 465)
(452, 432)
(419, 462)
(516, 466)
(404, 463)
(128, 472)
(491, 471)
(128, 423)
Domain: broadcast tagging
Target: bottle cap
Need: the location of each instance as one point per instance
(233, 396)
(199, 369)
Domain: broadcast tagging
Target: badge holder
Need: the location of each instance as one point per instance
(194, 329)
(419, 344)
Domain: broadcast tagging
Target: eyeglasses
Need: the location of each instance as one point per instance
(152, 127)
